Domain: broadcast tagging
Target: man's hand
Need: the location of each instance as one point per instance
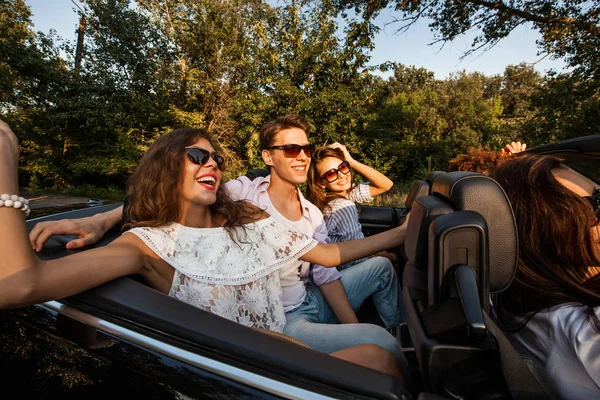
(514, 148)
(390, 256)
(87, 230)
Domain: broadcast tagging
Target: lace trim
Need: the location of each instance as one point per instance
(257, 304)
(265, 247)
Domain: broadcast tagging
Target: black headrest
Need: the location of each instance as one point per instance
(419, 189)
(469, 191)
(433, 176)
(255, 173)
(424, 210)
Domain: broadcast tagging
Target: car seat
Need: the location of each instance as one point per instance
(255, 173)
(461, 246)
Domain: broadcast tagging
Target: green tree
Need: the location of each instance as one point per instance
(569, 29)
(516, 87)
(32, 80)
(423, 122)
(564, 107)
(314, 68)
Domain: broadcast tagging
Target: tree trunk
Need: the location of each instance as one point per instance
(79, 49)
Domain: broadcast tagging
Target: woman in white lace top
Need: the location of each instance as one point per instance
(187, 239)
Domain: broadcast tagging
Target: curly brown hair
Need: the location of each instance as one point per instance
(153, 188)
(477, 160)
(315, 193)
(556, 243)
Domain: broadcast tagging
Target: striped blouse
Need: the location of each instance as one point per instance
(341, 217)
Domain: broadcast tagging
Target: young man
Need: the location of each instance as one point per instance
(315, 298)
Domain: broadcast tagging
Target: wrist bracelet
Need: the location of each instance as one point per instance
(14, 201)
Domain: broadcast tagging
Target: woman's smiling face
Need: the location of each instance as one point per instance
(343, 181)
(200, 182)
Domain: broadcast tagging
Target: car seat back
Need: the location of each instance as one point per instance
(469, 191)
(457, 252)
(419, 189)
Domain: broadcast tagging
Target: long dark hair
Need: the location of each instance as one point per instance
(556, 243)
(153, 188)
(316, 194)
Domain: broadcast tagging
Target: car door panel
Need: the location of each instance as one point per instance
(44, 355)
(379, 219)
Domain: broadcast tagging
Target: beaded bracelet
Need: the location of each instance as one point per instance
(14, 201)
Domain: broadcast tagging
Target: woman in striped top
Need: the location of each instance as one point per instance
(330, 188)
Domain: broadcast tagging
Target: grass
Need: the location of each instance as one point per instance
(396, 197)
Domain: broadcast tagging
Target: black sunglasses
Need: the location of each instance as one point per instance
(332, 175)
(200, 156)
(292, 150)
(595, 200)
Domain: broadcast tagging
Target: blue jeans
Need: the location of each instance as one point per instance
(314, 323)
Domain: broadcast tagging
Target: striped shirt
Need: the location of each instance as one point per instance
(341, 217)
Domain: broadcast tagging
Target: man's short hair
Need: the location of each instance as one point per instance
(274, 126)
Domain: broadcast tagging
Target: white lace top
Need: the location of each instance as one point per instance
(236, 279)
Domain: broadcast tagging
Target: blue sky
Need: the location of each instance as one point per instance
(410, 48)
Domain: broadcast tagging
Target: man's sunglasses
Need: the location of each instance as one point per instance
(200, 156)
(332, 175)
(595, 200)
(292, 150)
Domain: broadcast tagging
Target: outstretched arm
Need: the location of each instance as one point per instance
(333, 254)
(38, 281)
(379, 182)
(24, 278)
(88, 230)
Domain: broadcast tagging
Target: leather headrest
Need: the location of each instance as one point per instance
(418, 189)
(423, 212)
(252, 174)
(469, 191)
(432, 176)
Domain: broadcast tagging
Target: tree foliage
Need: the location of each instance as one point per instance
(229, 65)
(569, 29)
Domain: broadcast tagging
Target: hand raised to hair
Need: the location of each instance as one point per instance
(344, 150)
(514, 148)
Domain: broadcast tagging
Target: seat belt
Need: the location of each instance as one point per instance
(521, 381)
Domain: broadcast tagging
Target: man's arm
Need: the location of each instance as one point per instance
(336, 297)
(328, 280)
(88, 230)
(332, 254)
(239, 189)
(91, 229)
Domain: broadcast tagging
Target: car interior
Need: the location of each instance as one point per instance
(461, 248)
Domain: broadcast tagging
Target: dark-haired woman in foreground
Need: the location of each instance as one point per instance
(552, 308)
(238, 278)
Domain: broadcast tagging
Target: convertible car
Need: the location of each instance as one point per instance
(126, 340)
